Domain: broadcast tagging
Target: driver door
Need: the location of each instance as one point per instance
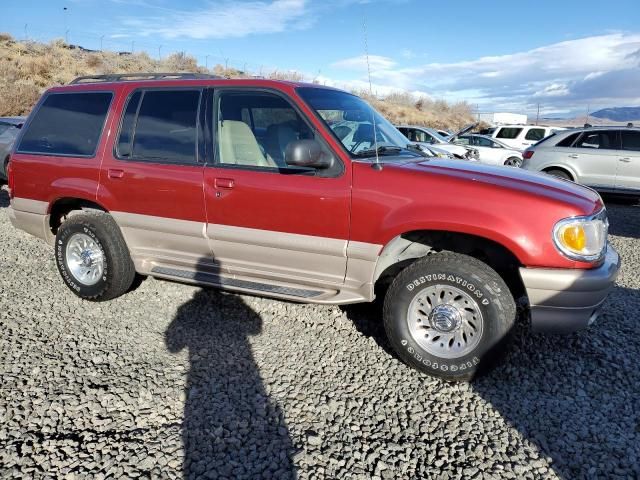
(265, 219)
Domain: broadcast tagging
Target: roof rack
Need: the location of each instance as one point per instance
(119, 77)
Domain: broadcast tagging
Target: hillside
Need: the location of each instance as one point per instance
(29, 68)
(619, 114)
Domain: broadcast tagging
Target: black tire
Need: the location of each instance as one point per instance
(477, 281)
(4, 176)
(559, 173)
(118, 269)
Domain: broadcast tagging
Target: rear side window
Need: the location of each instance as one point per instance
(604, 139)
(568, 141)
(631, 141)
(67, 124)
(508, 132)
(4, 127)
(535, 134)
(160, 126)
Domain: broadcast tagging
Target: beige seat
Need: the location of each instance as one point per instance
(238, 145)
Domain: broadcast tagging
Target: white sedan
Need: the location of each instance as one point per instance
(490, 150)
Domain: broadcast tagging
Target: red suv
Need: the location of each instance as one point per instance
(305, 193)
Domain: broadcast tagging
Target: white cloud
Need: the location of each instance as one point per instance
(376, 62)
(563, 75)
(225, 19)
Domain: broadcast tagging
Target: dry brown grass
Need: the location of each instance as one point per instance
(405, 108)
(28, 68)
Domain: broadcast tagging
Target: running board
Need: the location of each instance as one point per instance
(233, 283)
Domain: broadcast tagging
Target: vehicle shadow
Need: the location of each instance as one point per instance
(624, 220)
(231, 428)
(550, 388)
(4, 198)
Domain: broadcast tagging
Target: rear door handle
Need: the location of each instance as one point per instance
(115, 173)
(224, 183)
(625, 159)
(573, 155)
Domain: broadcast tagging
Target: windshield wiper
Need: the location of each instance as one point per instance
(416, 148)
(381, 150)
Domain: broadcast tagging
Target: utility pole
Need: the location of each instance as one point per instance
(159, 52)
(538, 115)
(26, 35)
(133, 44)
(206, 62)
(588, 108)
(101, 39)
(65, 12)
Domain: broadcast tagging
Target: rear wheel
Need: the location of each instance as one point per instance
(448, 315)
(92, 256)
(559, 173)
(513, 162)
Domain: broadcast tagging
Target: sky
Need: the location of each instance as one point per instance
(563, 56)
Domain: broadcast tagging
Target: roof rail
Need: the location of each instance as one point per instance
(118, 77)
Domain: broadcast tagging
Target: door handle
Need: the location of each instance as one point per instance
(573, 155)
(115, 173)
(224, 183)
(625, 159)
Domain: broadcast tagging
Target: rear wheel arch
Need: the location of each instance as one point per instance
(564, 170)
(62, 208)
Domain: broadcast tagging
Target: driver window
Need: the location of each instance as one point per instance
(255, 129)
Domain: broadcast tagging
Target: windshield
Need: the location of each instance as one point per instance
(352, 121)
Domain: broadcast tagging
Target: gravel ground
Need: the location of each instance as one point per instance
(175, 381)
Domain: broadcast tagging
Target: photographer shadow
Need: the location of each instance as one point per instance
(231, 428)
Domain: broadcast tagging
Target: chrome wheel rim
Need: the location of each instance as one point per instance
(85, 259)
(445, 321)
(513, 162)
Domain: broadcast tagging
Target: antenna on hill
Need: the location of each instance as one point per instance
(377, 164)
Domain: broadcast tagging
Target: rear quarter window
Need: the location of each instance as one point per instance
(535, 134)
(508, 132)
(568, 141)
(67, 124)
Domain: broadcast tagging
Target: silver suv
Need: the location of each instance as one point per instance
(604, 158)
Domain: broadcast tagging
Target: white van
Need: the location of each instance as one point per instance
(521, 136)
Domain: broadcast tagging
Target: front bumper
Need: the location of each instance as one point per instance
(566, 300)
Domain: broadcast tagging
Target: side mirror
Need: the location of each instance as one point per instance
(307, 153)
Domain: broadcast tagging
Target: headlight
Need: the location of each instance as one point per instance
(582, 238)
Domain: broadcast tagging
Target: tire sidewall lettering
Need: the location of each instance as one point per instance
(455, 280)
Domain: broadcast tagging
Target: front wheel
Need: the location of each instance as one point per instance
(448, 314)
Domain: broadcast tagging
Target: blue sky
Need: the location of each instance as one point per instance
(500, 55)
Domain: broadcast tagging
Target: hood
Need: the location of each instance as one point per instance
(515, 179)
(462, 131)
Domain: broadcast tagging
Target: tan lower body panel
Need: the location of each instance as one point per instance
(159, 240)
(32, 217)
(249, 255)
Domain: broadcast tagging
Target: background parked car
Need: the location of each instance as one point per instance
(9, 128)
(490, 150)
(429, 137)
(521, 136)
(604, 158)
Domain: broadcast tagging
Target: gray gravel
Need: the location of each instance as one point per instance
(172, 380)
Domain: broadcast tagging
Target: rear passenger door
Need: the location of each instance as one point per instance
(594, 157)
(151, 178)
(628, 174)
(266, 219)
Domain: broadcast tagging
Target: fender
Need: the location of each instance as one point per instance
(73, 188)
(471, 221)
